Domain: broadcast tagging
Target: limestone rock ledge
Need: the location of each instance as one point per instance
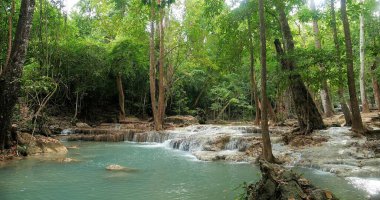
(38, 144)
(278, 183)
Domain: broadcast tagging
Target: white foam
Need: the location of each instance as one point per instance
(370, 185)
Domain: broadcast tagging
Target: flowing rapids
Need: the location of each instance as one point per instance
(168, 167)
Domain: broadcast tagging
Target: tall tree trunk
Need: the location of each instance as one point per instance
(161, 82)
(120, 90)
(11, 76)
(363, 95)
(254, 95)
(357, 124)
(343, 104)
(375, 82)
(10, 26)
(152, 64)
(267, 146)
(309, 118)
(325, 94)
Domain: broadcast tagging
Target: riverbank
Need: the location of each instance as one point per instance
(334, 150)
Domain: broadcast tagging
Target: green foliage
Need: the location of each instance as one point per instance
(207, 48)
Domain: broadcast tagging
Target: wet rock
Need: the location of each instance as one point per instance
(29, 145)
(232, 156)
(304, 140)
(69, 160)
(73, 147)
(115, 167)
(82, 125)
(279, 183)
(216, 144)
(55, 129)
(180, 120)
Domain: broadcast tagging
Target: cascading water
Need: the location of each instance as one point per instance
(207, 142)
(341, 154)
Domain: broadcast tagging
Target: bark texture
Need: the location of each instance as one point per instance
(11, 77)
(357, 124)
(309, 118)
(363, 96)
(254, 95)
(10, 25)
(375, 82)
(120, 89)
(161, 80)
(325, 94)
(158, 103)
(342, 101)
(152, 64)
(267, 146)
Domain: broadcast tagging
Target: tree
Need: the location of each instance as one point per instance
(254, 94)
(325, 94)
(357, 124)
(375, 82)
(309, 118)
(267, 147)
(363, 95)
(10, 78)
(343, 104)
(161, 76)
(153, 69)
(10, 25)
(120, 90)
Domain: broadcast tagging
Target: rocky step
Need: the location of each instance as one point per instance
(280, 183)
(119, 136)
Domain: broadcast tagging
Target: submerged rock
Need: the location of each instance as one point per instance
(280, 183)
(114, 167)
(29, 144)
(69, 160)
(73, 147)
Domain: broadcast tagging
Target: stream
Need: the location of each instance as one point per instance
(167, 170)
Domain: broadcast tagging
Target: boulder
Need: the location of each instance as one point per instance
(282, 184)
(216, 144)
(180, 120)
(30, 145)
(115, 167)
(82, 125)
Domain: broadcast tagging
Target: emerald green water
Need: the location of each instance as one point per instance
(162, 174)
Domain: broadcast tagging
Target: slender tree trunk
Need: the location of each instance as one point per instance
(357, 124)
(11, 76)
(10, 26)
(76, 106)
(343, 104)
(223, 109)
(120, 90)
(307, 113)
(363, 95)
(152, 65)
(267, 146)
(271, 113)
(199, 96)
(375, 82)
(325, 94)
(254, 94)
(161, 82)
